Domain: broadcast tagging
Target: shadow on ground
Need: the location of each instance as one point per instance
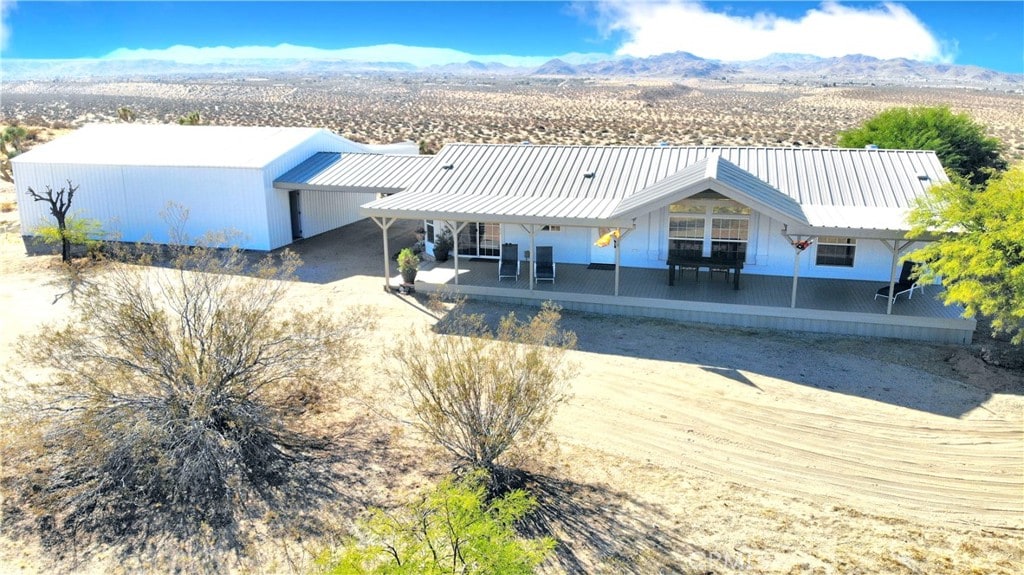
(602, 530)
(913, 375)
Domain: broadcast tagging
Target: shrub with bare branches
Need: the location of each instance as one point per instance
(480, 392)
(175, 409)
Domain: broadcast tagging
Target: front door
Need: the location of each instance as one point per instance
(296, 212)
(599, 255)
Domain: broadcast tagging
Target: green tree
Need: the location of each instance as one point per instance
(481, 392)
(981, 260)
(960, 143)
(176, 410)
(451, 530)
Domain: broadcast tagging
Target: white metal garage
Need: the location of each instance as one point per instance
(127, 174)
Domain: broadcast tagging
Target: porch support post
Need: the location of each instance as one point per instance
(531, 230)
(895, 248)
(618, 254)
(456, 229)
(385, 224)
(796, 275)
(533, 254)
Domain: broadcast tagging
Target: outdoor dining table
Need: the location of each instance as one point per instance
(684, 259)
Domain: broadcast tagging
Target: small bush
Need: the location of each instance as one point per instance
(453, 529)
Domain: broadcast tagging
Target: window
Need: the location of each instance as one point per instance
(836, 251)
(710, 227)
(551, 228)
(430, 230)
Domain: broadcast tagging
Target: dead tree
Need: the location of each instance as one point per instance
(60, 205)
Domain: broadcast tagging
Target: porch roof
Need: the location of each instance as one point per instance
(812, 189)
(350, 172)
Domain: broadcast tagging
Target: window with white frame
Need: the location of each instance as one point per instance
(429, 227)
(551, 228)
(713, 227)
(835, 251)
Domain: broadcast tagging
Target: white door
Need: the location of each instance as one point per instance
(598, 255)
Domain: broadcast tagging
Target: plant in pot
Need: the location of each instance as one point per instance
(408, 262)
(443, 245)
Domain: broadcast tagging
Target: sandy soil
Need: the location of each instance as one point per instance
(694, 449)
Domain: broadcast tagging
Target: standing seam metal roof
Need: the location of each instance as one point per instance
(832, 187)
(334, 171)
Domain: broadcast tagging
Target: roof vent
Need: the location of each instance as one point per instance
(589, 174)
(526, 142)
(871, 147)
(922, 176)
(663, 144)
(448, 167)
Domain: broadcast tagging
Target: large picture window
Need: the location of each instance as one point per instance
(836, 251)
(715, 228)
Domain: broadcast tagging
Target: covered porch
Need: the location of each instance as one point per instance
(822, 305)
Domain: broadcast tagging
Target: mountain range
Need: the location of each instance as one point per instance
(677, 65)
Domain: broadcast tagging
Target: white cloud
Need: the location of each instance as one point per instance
(416, 55)
(5, 31)
(887, 31)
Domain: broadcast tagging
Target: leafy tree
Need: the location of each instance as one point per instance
(60, 205)
(480, 392)
(960, 143)
(176, 411)
(191, 119)
(981, 263)
(453, 529)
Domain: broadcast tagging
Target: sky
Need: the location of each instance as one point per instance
(987, 34)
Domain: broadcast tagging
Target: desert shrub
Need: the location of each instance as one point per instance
(175, 410)
(452, 529)
(480, 392)
(84, 232)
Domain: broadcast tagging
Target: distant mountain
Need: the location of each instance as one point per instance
(678, 65)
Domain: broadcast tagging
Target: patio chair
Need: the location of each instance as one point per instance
(904, 285)
(544, 265)
(508, 267)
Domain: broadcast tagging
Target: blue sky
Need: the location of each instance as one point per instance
(989, 34)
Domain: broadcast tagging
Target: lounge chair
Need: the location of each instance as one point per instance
(904, 285)
(508, 267)
(544, 265)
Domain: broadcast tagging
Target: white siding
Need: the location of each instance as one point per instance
(769, 251)
(128, 200)
(278, 222)
(324, 211)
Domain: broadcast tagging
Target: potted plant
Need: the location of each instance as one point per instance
(408, 262)
(443, 245)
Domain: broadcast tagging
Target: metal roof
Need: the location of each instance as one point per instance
(334, 172)
(173, 145)
(594, 185)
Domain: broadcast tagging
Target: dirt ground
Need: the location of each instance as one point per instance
(689, 449)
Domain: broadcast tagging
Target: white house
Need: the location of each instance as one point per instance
(785, 213)
(843, 200)
(226, 176)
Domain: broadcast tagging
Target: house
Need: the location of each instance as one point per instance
(259, 181)
(784, 213)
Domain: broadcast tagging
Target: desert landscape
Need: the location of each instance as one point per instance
(683, 449)
(385, 108)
